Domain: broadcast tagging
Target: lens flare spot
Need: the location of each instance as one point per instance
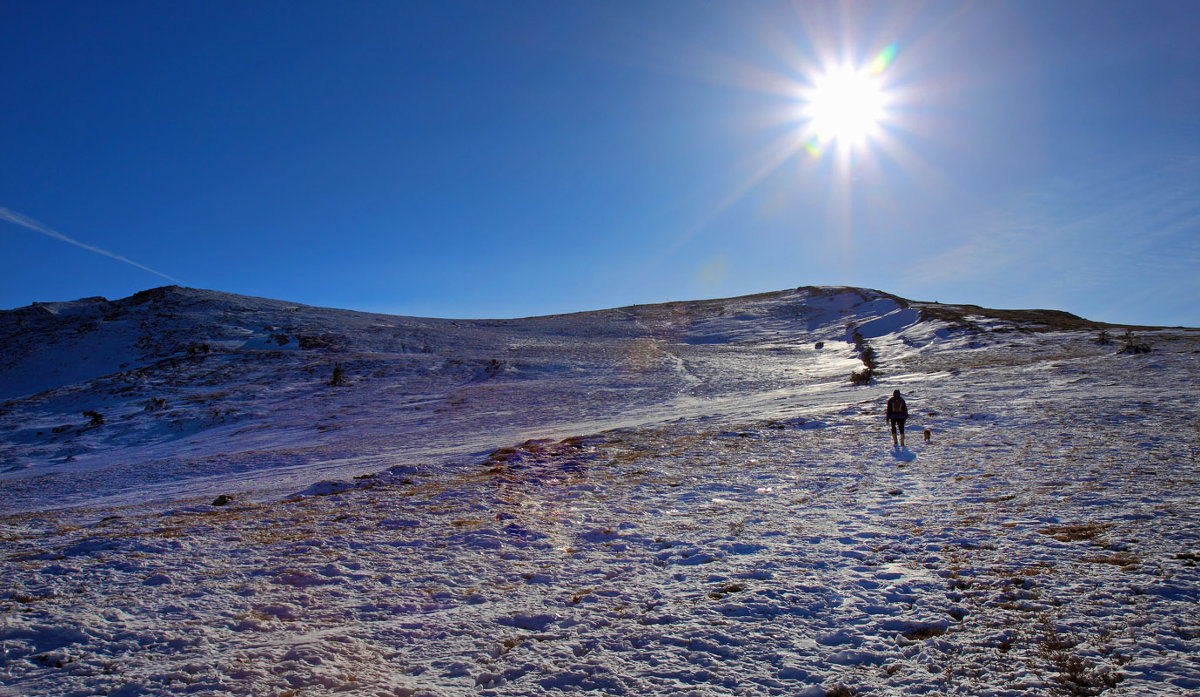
(714, 271)
(882, 60)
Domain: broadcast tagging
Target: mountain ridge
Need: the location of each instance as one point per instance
(180, 293)
(24, 330)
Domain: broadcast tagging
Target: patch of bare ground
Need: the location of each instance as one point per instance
(1024, 320)
(1122, 559)
(1074, 533)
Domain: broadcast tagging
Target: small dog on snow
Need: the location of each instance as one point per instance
(928, 435)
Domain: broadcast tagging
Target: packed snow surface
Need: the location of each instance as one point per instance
(681, 499)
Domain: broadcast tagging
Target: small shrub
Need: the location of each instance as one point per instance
(1076, 675)
(870, 361)
(489, 370)
(1103, 338)
(867, 355)
(310, 342)
(198, 349)
(339, 376)
(95, 418)
(861, 377)
(1132, 345)
(819, 345)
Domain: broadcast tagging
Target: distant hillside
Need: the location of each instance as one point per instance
(179, 376)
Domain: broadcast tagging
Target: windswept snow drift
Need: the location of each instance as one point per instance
(678, 499)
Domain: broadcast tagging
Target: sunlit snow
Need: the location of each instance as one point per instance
(679, 499)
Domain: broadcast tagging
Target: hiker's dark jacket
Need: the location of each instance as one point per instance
(897, 409)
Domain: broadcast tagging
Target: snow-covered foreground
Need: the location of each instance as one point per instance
(1045, 541)
(757, 539)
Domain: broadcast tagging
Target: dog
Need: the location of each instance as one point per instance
(928, 435)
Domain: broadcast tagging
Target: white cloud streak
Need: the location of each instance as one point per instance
(31, 224)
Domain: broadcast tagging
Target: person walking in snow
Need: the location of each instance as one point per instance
(897, 413)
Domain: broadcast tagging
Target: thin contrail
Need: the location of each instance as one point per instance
(18, 219)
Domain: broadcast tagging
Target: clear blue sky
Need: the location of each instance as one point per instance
(503, 159)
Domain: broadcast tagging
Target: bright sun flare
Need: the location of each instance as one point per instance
(845, 106)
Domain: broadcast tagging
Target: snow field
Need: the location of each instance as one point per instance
(1025, 550)
(735, 523)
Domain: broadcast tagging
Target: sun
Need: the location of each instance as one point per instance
(847, 105)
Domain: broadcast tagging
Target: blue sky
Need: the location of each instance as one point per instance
(504, 159)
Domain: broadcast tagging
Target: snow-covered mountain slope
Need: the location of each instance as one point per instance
(710, 508)
(193, 385)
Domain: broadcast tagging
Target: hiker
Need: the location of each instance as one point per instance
(897, 412)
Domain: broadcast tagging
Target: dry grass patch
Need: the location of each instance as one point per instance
(466, 523)
(1075, 533)
(1076, 675)
(1122, 559)
(1188, 557)
(923, 633)
(725, 590)
(1035, 569)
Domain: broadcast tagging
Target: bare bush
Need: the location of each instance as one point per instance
(1076, 676)
(1132, 345)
